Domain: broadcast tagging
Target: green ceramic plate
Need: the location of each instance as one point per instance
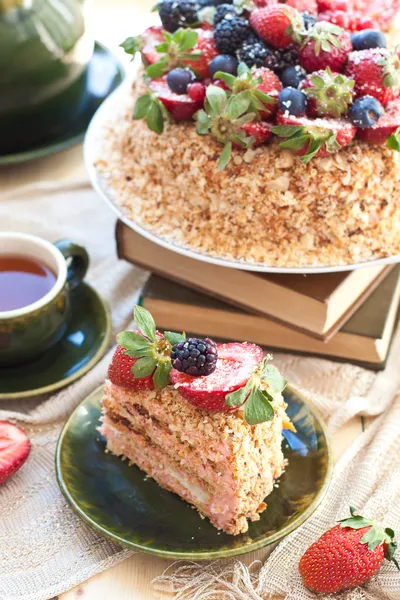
(120, 503)
(84, 344)
(104, 74)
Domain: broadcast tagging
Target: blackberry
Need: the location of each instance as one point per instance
(195, 357)
(285, 58)
(230, 34)
(309, 20)
(222, 11)
(257, 54)
(174, 14)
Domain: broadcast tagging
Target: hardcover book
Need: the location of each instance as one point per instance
(318, 305)
(365, 339)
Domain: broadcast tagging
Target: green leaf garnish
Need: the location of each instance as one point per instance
(132, 44)
(311, 138)
(144, 367)
(133, 341)
(225, 156)
(174, 52)
(174, 338)
(237, 398)
(145, 322)
(272, 376)
(150, 108)
(393, 141)
(161, 375)
(258, 409)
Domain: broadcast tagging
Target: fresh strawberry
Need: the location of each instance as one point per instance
(14, 449)
(387, 125)
(311, 138)
(376, 72)
(151, 38)
(236, 362)
(347, 555)
(352, 21)
(329, 94)
(120, 372)
(275, 24)
(271, 86)
(207, 49)
(307, 6)
(181, 107)
(326, 45)
(259, 130)
(331, 5)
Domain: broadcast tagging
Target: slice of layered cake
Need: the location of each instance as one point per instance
(204, 420)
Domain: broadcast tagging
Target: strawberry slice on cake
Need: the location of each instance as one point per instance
(204, 420)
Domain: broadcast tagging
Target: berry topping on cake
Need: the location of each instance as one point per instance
(225, 63)
(230, 33)
(370, 38)
(254, 53)
(347, 555)
(313, 137)
(366, 112)
(179, 79)
(235, 365)
(325, 45)
(259, 131)
(175, 14)
(329, 94)
(292, 102)
(276, 24)
(376, 73)
(386, 129)
(15, 448)
(195, 357)
(224, 10)
(293, 76)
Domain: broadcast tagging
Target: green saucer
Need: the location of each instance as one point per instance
(84, 344)
(120, 503)
(103, 75)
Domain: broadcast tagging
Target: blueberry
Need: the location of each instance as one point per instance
(369, 38)
(365, 112)
(179, 79)
(309, 20)
(292, 101)
(292, 76)
(225, 63)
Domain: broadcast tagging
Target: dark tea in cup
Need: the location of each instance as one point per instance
(23, 281)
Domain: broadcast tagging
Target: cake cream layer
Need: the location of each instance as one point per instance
(215, 461)
(265, 206)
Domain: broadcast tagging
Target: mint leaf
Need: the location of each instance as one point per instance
(237, 398)
(142, 106)
(133, 341)
(161, 375)
(132, 44)
(225, 156)
(258, 409)
(145, 322)
(274, 379)
(174, 338)
(144, 367)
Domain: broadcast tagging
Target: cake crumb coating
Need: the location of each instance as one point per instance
(265, 207)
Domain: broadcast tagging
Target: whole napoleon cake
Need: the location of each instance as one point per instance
(263, 132)
(204, 420)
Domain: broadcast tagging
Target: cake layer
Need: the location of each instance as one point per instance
(266, 206)
(229, 488)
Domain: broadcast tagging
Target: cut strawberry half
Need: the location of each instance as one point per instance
(181, 107)
(236, 362)
(260, 131)
(387, 125)
(152, 37)
(14, 449)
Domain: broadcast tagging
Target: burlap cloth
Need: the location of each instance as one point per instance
(45, 550)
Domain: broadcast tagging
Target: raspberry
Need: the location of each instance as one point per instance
(230, 34)
(195, 357)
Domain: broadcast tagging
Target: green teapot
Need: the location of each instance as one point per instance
(44, 54)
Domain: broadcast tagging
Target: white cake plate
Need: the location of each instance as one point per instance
(93, 141)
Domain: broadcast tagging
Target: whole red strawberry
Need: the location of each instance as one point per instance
(376, 73)
(15, 448)
(326, 45)
(275, 24)
(347, 555)
(120, 372)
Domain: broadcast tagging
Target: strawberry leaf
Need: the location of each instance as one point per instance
(239, 104)
(142, 106)
(161, 375)
(174, 338)
(238, 397)
(203, 122)
(132, 45)
(313, 149)
(393, 141)
(225, 156)
(154, 118)
(144, 367)
(272, 376)
(217, 100)
(145, 322)
(188, 39)
(287, 131)
(133, 341)
(226, 77)
(258, 408)
(157, 69)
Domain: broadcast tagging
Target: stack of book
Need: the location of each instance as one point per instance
(347, 316)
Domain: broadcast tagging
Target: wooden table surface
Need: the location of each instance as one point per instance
(111, 21)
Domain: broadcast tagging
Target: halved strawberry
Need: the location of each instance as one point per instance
(311, 138)
(261, 131)
(236, 362)
(151, 38)
(206, 46)
(387, 125)
(376, 72)
(120, 372)
(14, 449)
(181, 107)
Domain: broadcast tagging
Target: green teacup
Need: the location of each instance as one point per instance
(27, 332)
